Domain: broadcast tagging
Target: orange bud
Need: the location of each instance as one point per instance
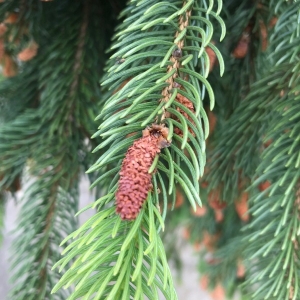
(242, 47)
(3, 29)
(219, 215)
(204, 282)
(179, 199)
(273, 22)
(11, 18)
(214, 200)
(218, 292)
(264, 36)
(240, 272)
(29, 52)
(241, 207)
(264, 185)
(200, 211)
(216, 204)
(210, 240)
(268, 143)
(10, 67)
(212, 57)
(186, 234)
(197, 246)
(2, 49)
(212, 119)
(204, 184)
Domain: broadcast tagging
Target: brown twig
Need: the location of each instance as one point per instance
(48, 224)
(183, 23)
(81, 42)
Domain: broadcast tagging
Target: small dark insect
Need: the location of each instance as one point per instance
(177, 53)
(119, 60)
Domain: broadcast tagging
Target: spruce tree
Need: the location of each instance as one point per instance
(198, 127)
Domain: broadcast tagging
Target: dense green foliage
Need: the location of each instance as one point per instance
(145, 45)
(47, 113)
(161, 52)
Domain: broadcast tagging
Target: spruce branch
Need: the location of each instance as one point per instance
(48, 132)
(157, 75)
(39, 237)
(134, 246)
(77, 68)
(174, 58)
(276, 231)
(272, 260)
(240, 145)
(242, 133)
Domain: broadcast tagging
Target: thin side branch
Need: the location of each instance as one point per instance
(80, 47)
(183, 23)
